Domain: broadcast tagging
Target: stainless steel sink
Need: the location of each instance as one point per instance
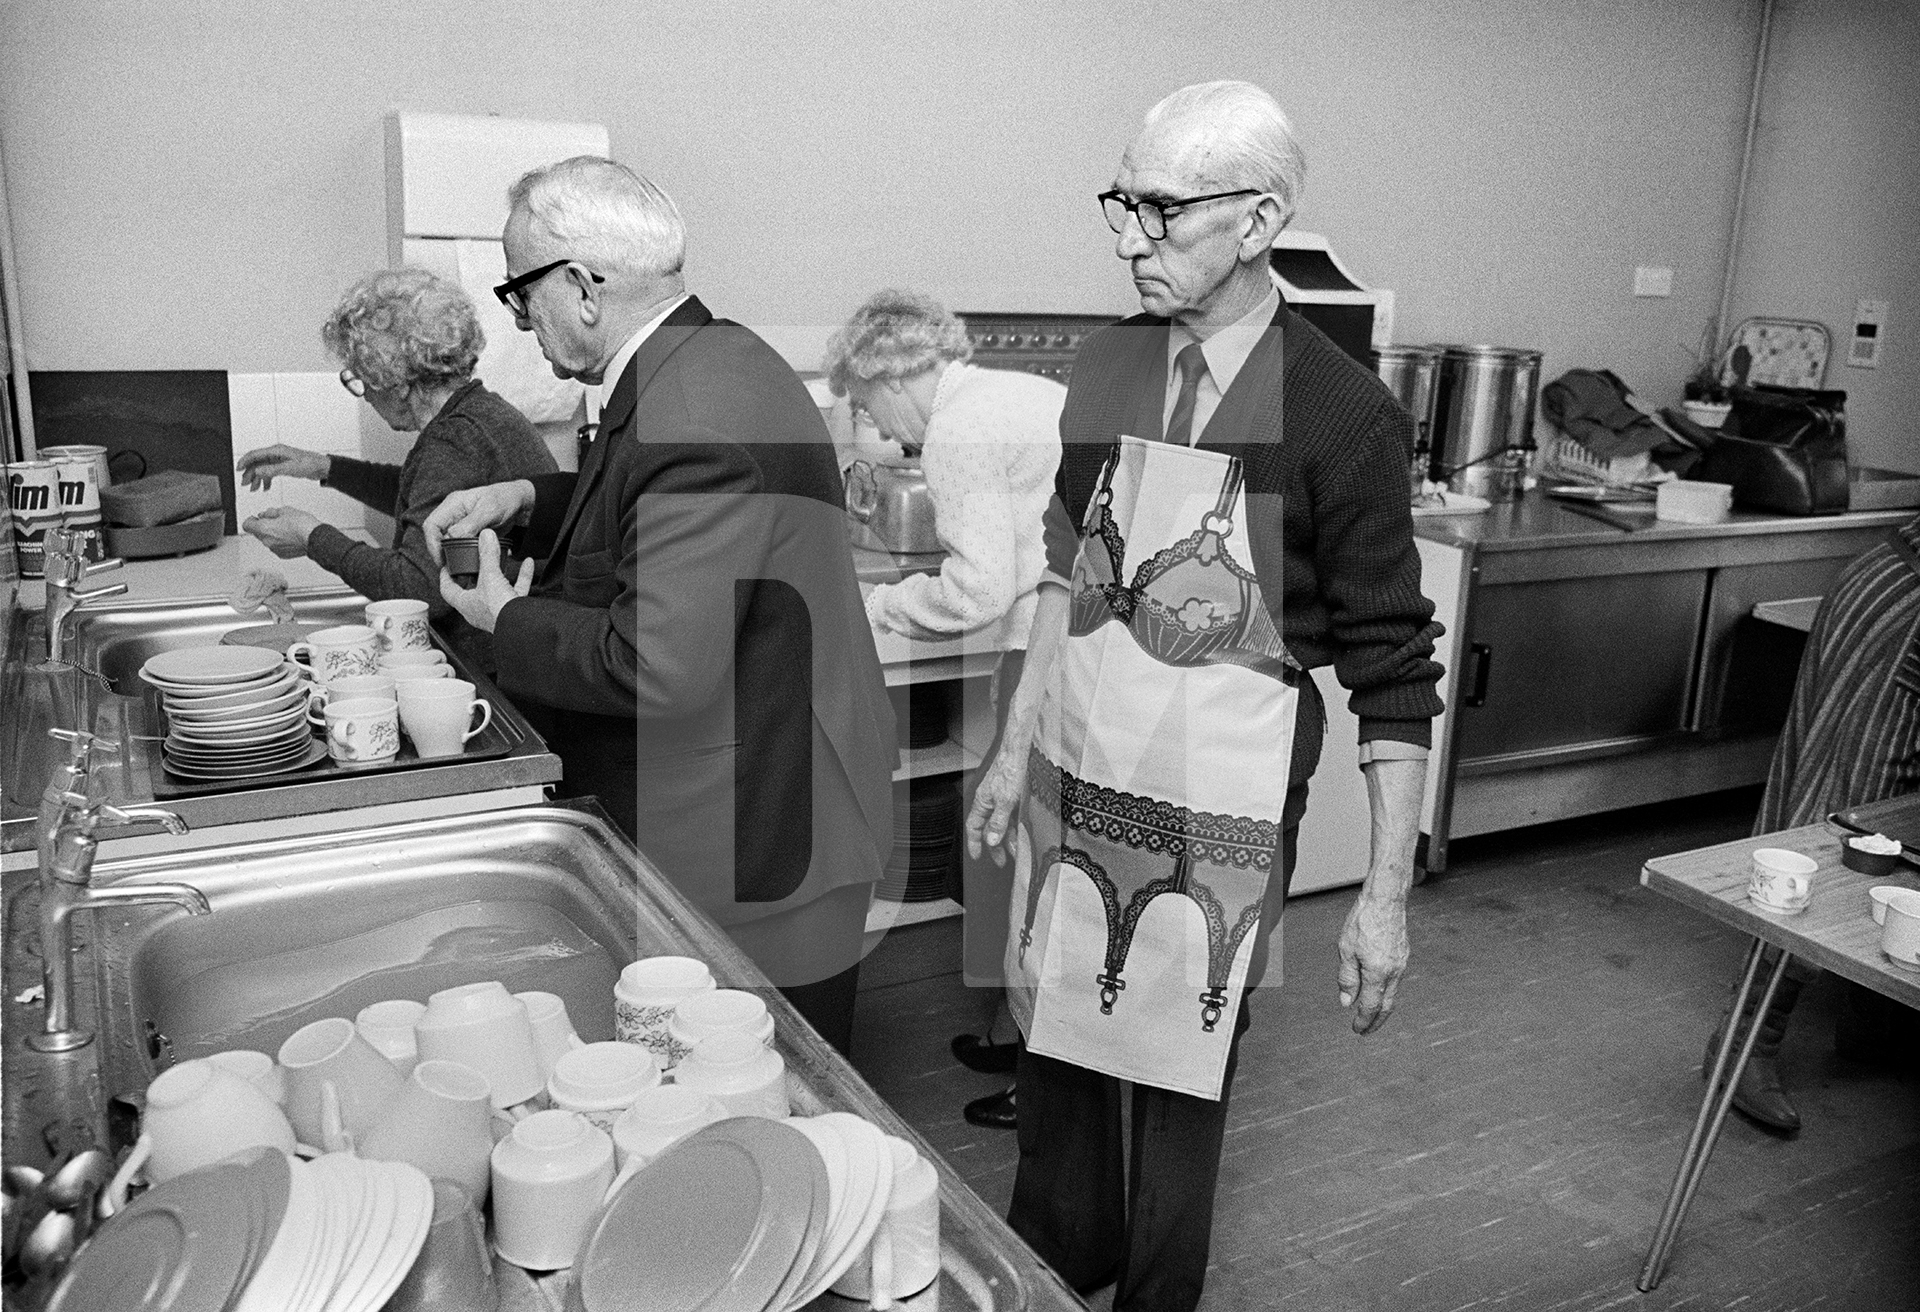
(115, 639)
(540, 897)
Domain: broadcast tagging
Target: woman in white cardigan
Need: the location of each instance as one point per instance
(989, 442)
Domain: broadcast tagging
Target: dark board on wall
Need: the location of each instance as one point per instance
(173, 418)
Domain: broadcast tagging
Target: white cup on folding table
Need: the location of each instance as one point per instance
(1780, 880)
(904, 1257)
(337, 653)
(438, 714)
(1900, 930)
(401, 624)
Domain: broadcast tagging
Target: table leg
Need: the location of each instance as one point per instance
(1713, 1113)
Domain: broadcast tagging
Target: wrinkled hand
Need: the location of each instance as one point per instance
(481, 604)
(996, 805)
(1373, 956)
(262, 465)
(284, 531)
(464, 513)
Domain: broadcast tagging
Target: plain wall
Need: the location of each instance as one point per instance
(194, 183)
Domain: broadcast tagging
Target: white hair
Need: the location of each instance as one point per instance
(1252, 137)
(604, 215)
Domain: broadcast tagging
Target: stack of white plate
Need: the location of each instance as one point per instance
(232, 713)
(351, 1233)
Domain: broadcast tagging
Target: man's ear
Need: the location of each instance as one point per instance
(1264, 225)
(588, 292)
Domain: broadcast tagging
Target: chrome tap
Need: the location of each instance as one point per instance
(69, 814)
(67, 566)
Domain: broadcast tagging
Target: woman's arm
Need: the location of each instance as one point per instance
(997, 801)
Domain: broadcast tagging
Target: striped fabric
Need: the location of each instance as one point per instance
(1853, 733)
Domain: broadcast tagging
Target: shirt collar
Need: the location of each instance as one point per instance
(597, 397)
(1227, 351)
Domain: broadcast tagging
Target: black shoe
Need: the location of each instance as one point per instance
(976, 1054)
(993, 1112)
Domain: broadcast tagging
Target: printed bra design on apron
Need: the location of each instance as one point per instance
(1155, 783)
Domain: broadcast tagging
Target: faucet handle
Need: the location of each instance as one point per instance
(81, 742)
(132, 815)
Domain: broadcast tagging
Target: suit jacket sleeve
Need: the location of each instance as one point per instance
(690, 528)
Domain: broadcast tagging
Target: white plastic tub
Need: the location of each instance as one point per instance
(1683, 502)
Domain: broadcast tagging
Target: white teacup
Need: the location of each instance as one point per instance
(401, 625)
(363, 729)
(257, 1069)
(601, 1080)
(549, 1177)
(904, 1256)
(337, 1084)
(377, 686)
(440, 1122)
(1900, 930)
(553, 1036)
(405, 674)
(644, 999)
(388, 1027)
(719, 1011)
(739, 1072)
(485, 1027)
(1781, 880)
(337, 653)
(412, 656)
(199, 1112)
(657, 1119)
(438, 714)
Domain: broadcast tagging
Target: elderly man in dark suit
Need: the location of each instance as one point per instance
(694, 646)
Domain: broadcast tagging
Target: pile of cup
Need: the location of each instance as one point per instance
(375, 679)
(718, 1041)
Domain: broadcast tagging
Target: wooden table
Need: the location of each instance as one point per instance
(1836, 932)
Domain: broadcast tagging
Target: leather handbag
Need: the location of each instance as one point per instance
(1784, 450)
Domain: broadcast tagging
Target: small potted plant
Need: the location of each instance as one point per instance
(1706, 401)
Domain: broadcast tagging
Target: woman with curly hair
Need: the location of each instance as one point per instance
(407, 342)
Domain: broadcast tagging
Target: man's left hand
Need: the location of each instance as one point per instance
(481, 604)
(1373, 956)
(283, 530)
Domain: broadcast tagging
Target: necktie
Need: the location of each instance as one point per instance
(1192, 365)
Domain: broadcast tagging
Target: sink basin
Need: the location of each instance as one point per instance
(539, 897)
(117, 640)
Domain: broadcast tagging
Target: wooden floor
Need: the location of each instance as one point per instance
(1507, 1141)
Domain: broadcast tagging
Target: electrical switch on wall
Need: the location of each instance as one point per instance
(1869, 334)
(1653, 280)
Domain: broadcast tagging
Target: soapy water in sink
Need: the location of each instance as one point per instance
(257, 1001)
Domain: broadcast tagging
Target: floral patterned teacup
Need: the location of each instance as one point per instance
(400, 625)
(338, 653)
(363, 729)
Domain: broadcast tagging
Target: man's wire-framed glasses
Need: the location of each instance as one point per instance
(1153, 214)
(512, 292)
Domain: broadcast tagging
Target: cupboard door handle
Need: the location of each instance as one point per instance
(1482, 657)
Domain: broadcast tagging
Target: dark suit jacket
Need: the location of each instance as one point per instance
(695, 648)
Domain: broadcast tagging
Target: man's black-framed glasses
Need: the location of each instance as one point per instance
(512, 292)
(1153, 214)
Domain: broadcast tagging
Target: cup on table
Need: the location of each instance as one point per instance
(441, 1122)
(657, 1119)
(1780, 880)
(337, 1084)
(401, 625)
(485, 1027)
(719, 1011)
(376, 686)
(601, 1080)
(411, 657)
(454, 1269)
(257, 1069)
(549, 1177)
(553, 1035)
(337, 653)
(1900, 931)
(739, 1072)
(363, 729)
(438, 714)
(645, 997)
(388, 1026)
(200, 1111)
(904, 1256)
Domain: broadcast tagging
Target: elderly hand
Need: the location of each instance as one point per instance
(481, 604)
(285, 531)
(262, 465)
(996, 806)
(1373, 956)
(464, 513)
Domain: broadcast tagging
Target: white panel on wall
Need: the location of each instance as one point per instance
(448, 174)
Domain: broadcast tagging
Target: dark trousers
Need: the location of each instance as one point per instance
(1148, 1221)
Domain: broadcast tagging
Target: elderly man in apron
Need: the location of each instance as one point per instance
(1232, 511)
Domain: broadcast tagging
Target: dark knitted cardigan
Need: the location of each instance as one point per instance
(1338, 568)
(476, 439)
